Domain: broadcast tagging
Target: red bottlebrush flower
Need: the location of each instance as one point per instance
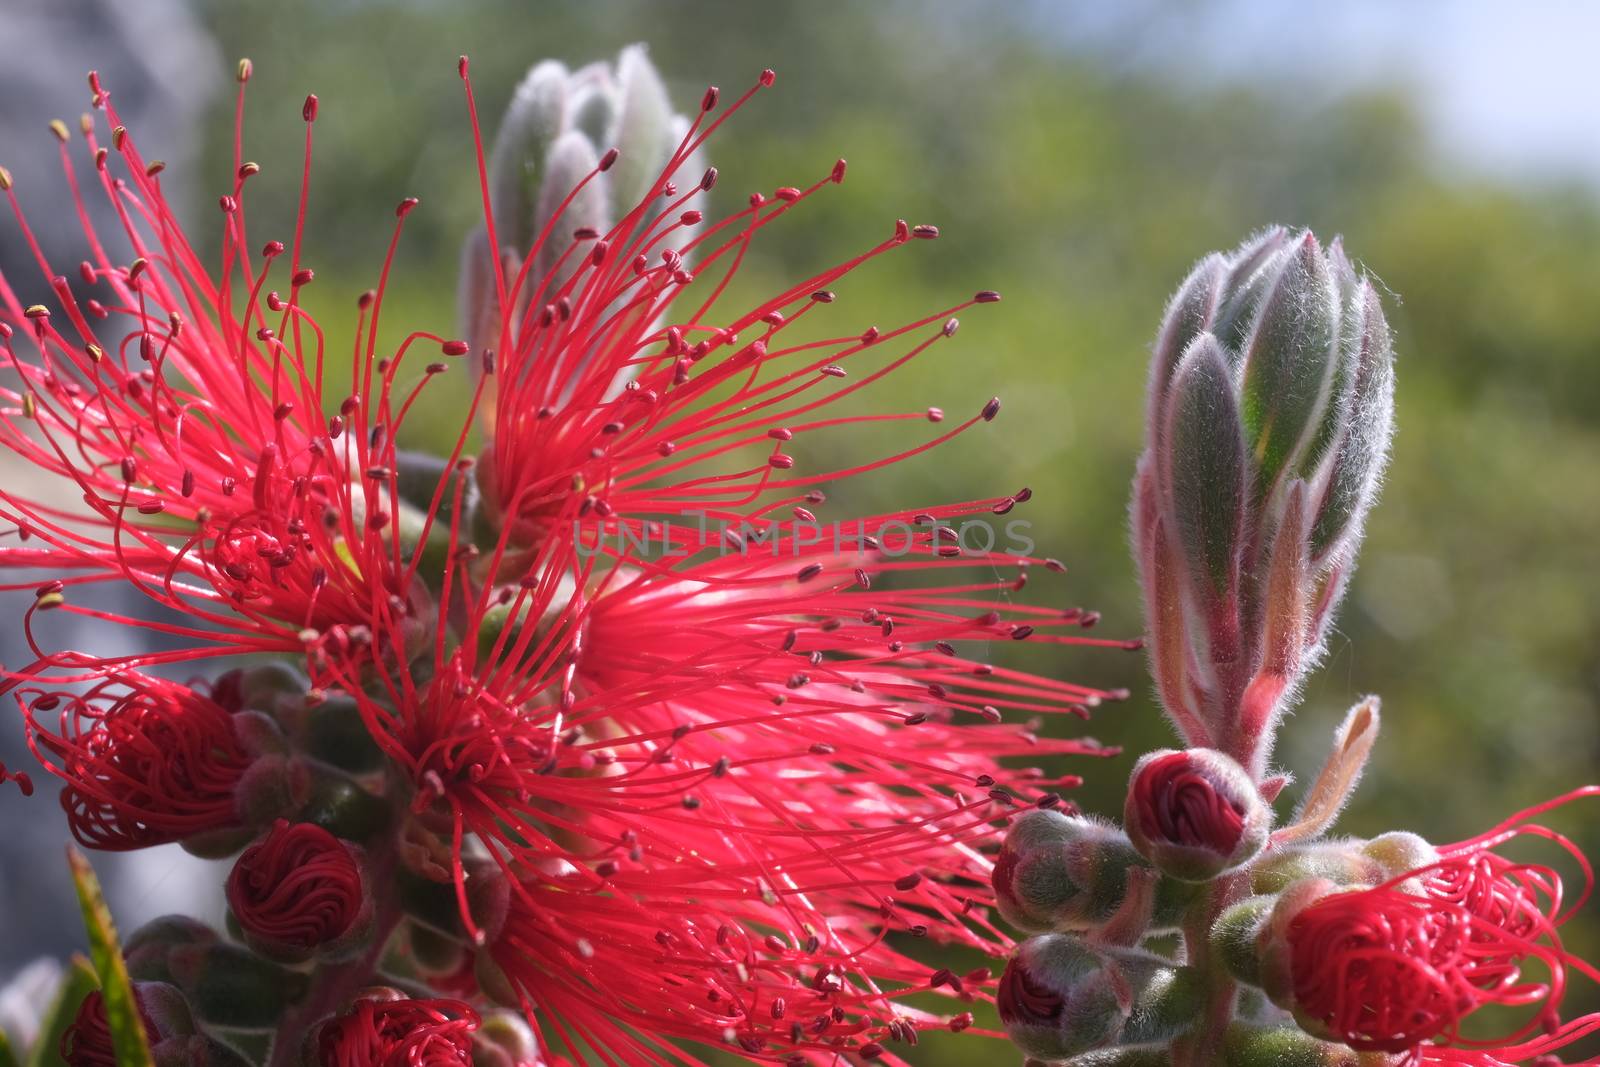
(762, 748)
(146, 761)
(1398, 966)
(87, 1042)
(1195, 813)
(379, 1032)
(298, 887)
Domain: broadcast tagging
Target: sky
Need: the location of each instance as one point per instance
(1512, 89)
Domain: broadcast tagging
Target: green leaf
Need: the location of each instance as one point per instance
(122, 1012)
(78, 982)
(7, 1057)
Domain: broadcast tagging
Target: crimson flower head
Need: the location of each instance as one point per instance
(297, 889)
(393, 1031)
(146, 761)
(1195, 813)
(1398, 966)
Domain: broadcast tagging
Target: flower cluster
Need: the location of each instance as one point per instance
(1269, 421)
(591, 717)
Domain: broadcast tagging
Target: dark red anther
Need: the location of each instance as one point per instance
(188, 483)
(1024, 495)
(991, 409)
(756, 200)
(838, 172)
(303, 276)
(908, 883)
(925, 232)
(863, 579)
(152, 507)
(228, 205)
(1003, 507)
(833, 370)
(130, 469)
(768, 76)
(951, 326)
(609, 160)
(454, 348)
(788, 194)
(1021, 633)
(283, 411)
(691, 218)
(709, 100)
(1055, 565)
(902, 231)
(597, 254)
(308, 111)
(461, 67)
(247, 170)
(404, 207)
(916, 718)
(708, 179)
(272, 249)
(808, 572)
(986, 296)
(781, 462)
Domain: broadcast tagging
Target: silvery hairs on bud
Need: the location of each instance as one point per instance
(1269, 416)
(556, 130)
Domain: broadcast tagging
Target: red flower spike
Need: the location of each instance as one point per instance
(297, 888)
(145, 761)
(382, 1032)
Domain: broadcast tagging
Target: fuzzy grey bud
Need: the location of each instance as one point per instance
(1061, 996)
(1063, 872)
(1269, 418)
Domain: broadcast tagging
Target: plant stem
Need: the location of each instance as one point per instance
(1202, 1046)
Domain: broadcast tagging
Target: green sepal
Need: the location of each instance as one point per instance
(128, 1038)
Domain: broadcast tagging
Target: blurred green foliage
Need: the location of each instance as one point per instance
(1083, 192)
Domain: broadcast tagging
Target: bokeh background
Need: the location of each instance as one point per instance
(1077, 157)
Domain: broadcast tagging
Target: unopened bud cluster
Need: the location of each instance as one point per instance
(1270, 414)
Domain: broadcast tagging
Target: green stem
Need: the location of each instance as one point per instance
(1203, 1046)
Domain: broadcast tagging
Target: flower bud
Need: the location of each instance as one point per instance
(297, 890)
(1060, 996)
(504, 1040)
(273, 787)
(87, 1041)
(231, 987)
(343, 808)
(1059, 872)
(146, 761)
(1195, 814)
(554, 133)
(1269, 419)
(389, 1029)
(146, 949)
(1400, 852)
(331, 730)
(1343, 863)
